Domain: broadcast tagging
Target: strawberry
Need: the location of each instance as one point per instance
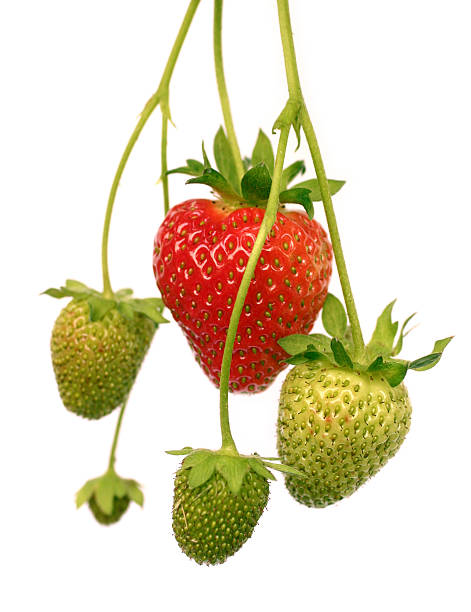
(342, 416)
(200, 253)
(219, 496)
(109, 496)
(98, 345)
(120, 505)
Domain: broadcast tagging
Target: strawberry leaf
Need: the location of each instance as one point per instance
(126, 310)
(256, 184)
(217, 182)
(257, 466)
(193, 168)
(206, 162)
(55, 293)
(287, 469)
(440, 345)
(123, 293)
(334, 317)
(322, 344)
(340, 354)
(431, 360)
(104, 494)
(202, 472)
(425, 363)
(233, 470)
(297, 359)
(313, 186)
(382, 340)
(84, 494)
(263, 152)
(148, 308)
(182, 451)
(224, 159)
(294, 344)
(133, 491)
(99, 306)
(393, 371)
(195, 458)
(291, 172)
(76, 286)
(298, 196)
(402, 334)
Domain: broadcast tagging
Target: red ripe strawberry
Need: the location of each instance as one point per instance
(200, 254)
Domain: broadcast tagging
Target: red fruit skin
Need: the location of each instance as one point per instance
(200, 253)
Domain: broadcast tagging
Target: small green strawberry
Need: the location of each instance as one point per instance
(109, 496)
(219, 498)
(120, 505)
(98, 345)
(342, 415)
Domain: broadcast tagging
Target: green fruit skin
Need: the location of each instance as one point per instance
(339, 427)
(120, 505)
(209, 522)
(96, 363)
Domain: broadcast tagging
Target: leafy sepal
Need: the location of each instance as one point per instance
(122, 300)
(298, 196)
(105, 488)
(217, 182)
(315, 190)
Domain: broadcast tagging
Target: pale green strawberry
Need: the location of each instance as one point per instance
(339, 427)
(343, 413)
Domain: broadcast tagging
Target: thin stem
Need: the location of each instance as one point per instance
(116, 436)
(161, 93)
(295, 91)
(265, 227)
(221, 82)
(163, 162)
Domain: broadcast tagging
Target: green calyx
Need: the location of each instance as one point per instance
(122, 300)
(378, 356)
(104, 490)
(253, 189)
(203, 463)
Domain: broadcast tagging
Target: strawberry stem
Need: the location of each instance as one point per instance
(163, 163)
(222, 89)
(116, 436)
(266, 225)
(294, 87)
(159, 97)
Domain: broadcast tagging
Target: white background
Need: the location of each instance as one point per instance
(388, 86)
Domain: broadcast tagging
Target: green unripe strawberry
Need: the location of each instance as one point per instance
(339, 427)
(120, 505)
(344, 410)
(218, 501)
(96, 362)
(109, 496)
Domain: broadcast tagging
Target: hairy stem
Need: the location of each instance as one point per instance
(159, 95)
(294, 87)
(221, 82)
(116, 436)
(265, 227)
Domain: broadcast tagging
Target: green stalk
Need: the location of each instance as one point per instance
(163, 163)
(116, 436)
(265, 227)
(159, 96)
(222, 89)
(294, 87)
